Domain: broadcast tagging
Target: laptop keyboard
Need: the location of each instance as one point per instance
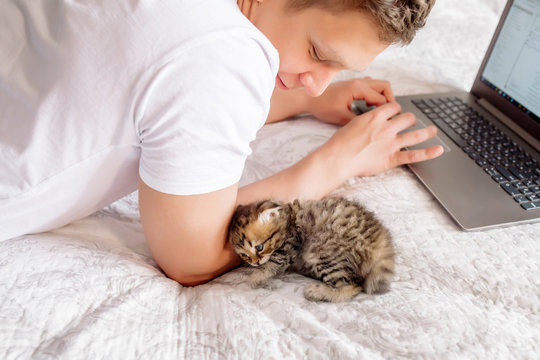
(506, 162)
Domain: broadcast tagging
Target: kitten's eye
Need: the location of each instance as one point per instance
(243, 255)
(259, 247)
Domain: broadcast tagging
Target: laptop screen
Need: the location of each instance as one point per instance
(513, 67)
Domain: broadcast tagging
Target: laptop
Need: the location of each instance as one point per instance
(489, 174)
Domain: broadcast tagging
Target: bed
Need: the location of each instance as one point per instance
(91, 290)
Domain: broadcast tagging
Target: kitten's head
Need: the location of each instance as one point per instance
(256, 231)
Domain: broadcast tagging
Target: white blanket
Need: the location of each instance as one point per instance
(92, 291)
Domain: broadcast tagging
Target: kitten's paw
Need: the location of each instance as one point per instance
(323, 292)
(259, 279)
(316, 292)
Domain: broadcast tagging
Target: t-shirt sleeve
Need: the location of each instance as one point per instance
(199, 112)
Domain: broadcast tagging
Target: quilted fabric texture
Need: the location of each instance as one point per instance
(92, 291)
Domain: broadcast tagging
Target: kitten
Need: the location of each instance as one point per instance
(334, 240)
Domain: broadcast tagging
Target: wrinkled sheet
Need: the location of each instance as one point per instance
(91, 289)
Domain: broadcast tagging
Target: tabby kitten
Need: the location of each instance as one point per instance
(334, 240)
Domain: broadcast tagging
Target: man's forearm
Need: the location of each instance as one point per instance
(311, 178)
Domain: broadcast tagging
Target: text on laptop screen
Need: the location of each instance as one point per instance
(513, 68)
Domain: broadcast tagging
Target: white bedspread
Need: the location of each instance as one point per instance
(92, 291)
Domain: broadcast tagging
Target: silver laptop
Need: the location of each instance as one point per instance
(489, 174)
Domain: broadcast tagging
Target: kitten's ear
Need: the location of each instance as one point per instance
(268, 210)
(267, 204)
(269, 215)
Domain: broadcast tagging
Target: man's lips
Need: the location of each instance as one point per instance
(280, 83)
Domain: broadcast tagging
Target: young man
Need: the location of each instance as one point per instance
(98, 99)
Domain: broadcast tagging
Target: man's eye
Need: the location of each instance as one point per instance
(316, 55)
(259, 247)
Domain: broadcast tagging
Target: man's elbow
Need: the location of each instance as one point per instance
(197, 270)
(186, 279)
(187, 275)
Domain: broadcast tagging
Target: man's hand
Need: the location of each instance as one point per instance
(334, 105)
(373, 142)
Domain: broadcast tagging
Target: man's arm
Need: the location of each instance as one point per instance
(187, 235)
(368, 145)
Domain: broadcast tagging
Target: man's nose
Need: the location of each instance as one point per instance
(316, 82)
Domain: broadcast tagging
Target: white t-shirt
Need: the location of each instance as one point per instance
(95, 93)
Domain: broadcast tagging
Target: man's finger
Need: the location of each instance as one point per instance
(415, 137)
(414, 156)
(388, 110)
(373, 97)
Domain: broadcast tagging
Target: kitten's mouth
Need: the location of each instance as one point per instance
(263, 261)
(258, 263)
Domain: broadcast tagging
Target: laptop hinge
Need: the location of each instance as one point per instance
(508, 122)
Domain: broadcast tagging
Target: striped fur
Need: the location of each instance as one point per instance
(334, 240)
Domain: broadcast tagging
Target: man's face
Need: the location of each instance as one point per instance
(314, 44)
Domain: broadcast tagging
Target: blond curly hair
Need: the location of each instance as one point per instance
(398, 20)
